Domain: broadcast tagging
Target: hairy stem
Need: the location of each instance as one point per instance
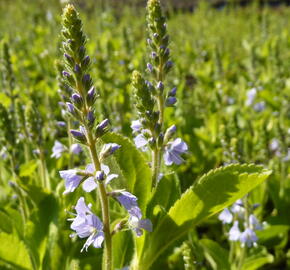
(104, 203)
(71, 157)
(157, 152)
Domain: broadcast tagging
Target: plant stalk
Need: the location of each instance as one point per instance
(104, 203)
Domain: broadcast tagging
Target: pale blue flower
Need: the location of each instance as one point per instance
(251, 95)
(140, 141)
(72, 180)
(226, 216)
(235, 233)
(254, 223)
(90, 183)
(259, 106)
(136, 125)
(173, 150)
(274, 145)
(76, 149)
(238, 208)
(136, 223)
(86, 224)
(127, 199)
(248, 237)
(58, 149)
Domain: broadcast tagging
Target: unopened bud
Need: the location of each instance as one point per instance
(169, 133)
(170, 101)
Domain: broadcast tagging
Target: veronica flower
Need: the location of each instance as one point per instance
(140, 141)
(173, 150)
(238, 208)
(76, 148)
(287, 157)
(86, 224)
(136, 126)
(58, 149)
(136, 223)
(274, 145)
(90, 183)
(235, 233)
(254, 223)
(248, 237)
(260, 106)
(251, 95)
(127, 199)
(226, 216)
(72, 180)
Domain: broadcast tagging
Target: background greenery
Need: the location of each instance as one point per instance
(219, 55)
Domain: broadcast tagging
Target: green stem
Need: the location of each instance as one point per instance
(155, 166)
(157, 152)
(45, 180)
(104, 203)
(70, 142)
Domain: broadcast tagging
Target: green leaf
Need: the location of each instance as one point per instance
(256, 261)
(167, 192)
(6, 223)
(14, 252)
(212, 193)
(123, 249)
(28, 168)
(215, 254)
(133, 167)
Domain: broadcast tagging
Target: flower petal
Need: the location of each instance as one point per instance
(89, 184)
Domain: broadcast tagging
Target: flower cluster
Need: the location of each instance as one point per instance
(96, 175)
(251, 97)
(152, 97)
(59, 149)
(236, 215)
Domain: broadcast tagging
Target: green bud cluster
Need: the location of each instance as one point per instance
(6, 130)
(8, 76)
(158, 40)
(34, 124)
(145, 103)
(75, 79)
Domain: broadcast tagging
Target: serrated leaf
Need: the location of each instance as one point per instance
(215, 254)
(14, 252)
(213, 192)
(167, 192)
(133, 167)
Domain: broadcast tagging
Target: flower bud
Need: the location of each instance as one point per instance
(77, 100)
(168, 66)
(160, 86)
(169, 133)
(150, 67)
(170, 101)
(78, 135)
(91, 118)
(68, 58)
(65, 74)
(86, 61)
(102, 128)
(172, 92)
(100, 175)
(70, 108)
(91, 96)
(153, 55)
(77, 68)
(109, 149)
